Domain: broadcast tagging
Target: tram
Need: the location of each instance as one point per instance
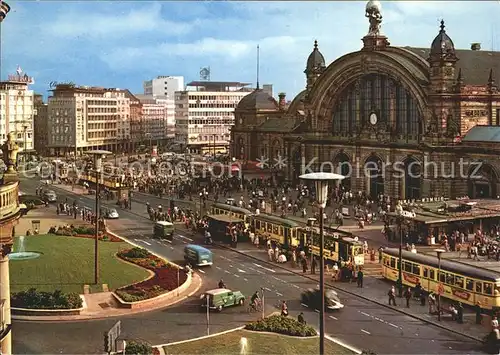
(280, 230)
(233, 211)
(458, 281)
(339, 246)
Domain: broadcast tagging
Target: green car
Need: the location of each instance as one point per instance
(221, 298)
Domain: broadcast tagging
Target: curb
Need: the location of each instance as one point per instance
(357, 295)
(200, 338)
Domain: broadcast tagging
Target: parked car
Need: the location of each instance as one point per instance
(49, 196)
(111, 213)
(220, 298)
(311, 298)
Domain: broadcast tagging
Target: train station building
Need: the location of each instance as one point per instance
(405, 122)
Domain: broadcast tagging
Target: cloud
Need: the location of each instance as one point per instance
(116, 25)
(95, 43)
(229, 51)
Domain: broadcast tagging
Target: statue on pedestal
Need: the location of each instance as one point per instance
(374, 14)
(9, 150)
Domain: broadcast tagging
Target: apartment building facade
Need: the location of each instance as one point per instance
(17, 111)
(40, 125)
(83, 118)
(204, 115)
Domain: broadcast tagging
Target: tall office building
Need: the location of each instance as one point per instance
(204, 115)
(164, 86)
(83, 118)
(40, 125)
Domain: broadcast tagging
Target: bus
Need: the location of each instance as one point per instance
(457, 281)
(339, 246)
(233, 211)
(280, 230)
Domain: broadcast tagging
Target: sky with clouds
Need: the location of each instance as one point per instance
(122, 43)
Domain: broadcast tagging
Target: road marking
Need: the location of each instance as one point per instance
(231, 266)
(217, 267)
(276, 278)
(305, 305)
(243, 272)
(137, 240)
(181, 236)
(236, 275)
(265, 268)
(393, 325)
(227, 272)
(260, 272)
(267, 289)
(365, 314)
(172, 248)
(279, 294)
(295, 286)
(332, 317)
(380, 320)
(157, 241)
(364, 331)
(245, 279)
(146, 242)
(200, 270)
(316, 310)
(168, 241)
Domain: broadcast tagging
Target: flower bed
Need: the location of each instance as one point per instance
(282, 325)
(85, 232)
(45, 300)
(166, 277)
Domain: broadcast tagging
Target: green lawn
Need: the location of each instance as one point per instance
(269, 344)
(67, 263)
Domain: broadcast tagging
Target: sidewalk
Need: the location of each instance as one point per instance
(103, 305)
(375, 290)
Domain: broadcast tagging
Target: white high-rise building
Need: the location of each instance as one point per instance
(164, 86)
(82, 118)
(17, 110)
(204, 115)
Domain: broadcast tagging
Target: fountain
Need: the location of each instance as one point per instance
(22, 254)
(243, 346)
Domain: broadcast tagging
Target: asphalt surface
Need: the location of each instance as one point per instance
(362, 324)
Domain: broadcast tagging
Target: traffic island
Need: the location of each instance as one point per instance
(65, 267)
(275, 335)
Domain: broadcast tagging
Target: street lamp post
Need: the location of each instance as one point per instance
(201, 204)
(399, 213)
(321, 186)
(98, 156)
(310, 225)
(439, 252)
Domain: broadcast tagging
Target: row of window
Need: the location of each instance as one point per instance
(373, 95)
(445, 277)
(217, 105)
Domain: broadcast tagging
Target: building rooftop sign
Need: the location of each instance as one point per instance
(19, 77)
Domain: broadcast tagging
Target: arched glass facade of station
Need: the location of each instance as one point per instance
(383, 95)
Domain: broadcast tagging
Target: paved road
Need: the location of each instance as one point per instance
(362, 324)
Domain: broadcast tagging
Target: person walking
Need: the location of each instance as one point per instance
(407, 296)
(392, 296)
(360, 278)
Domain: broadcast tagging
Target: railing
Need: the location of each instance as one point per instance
(9, 207)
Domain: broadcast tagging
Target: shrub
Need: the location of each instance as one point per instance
(46, 300)
(138, 348)
(84, 230)
(136, 253)
(282, 325)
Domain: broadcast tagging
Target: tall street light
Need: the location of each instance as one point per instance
(98, 155)
(399, 214)
(440, 285)
(321, 186)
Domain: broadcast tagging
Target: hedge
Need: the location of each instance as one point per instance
(282, 325)
(138, 348)
(34, 299)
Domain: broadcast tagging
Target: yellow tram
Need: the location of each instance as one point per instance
(112, 182)
(339, 246)
(280, 230)
(459, 282)
(233, 211)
